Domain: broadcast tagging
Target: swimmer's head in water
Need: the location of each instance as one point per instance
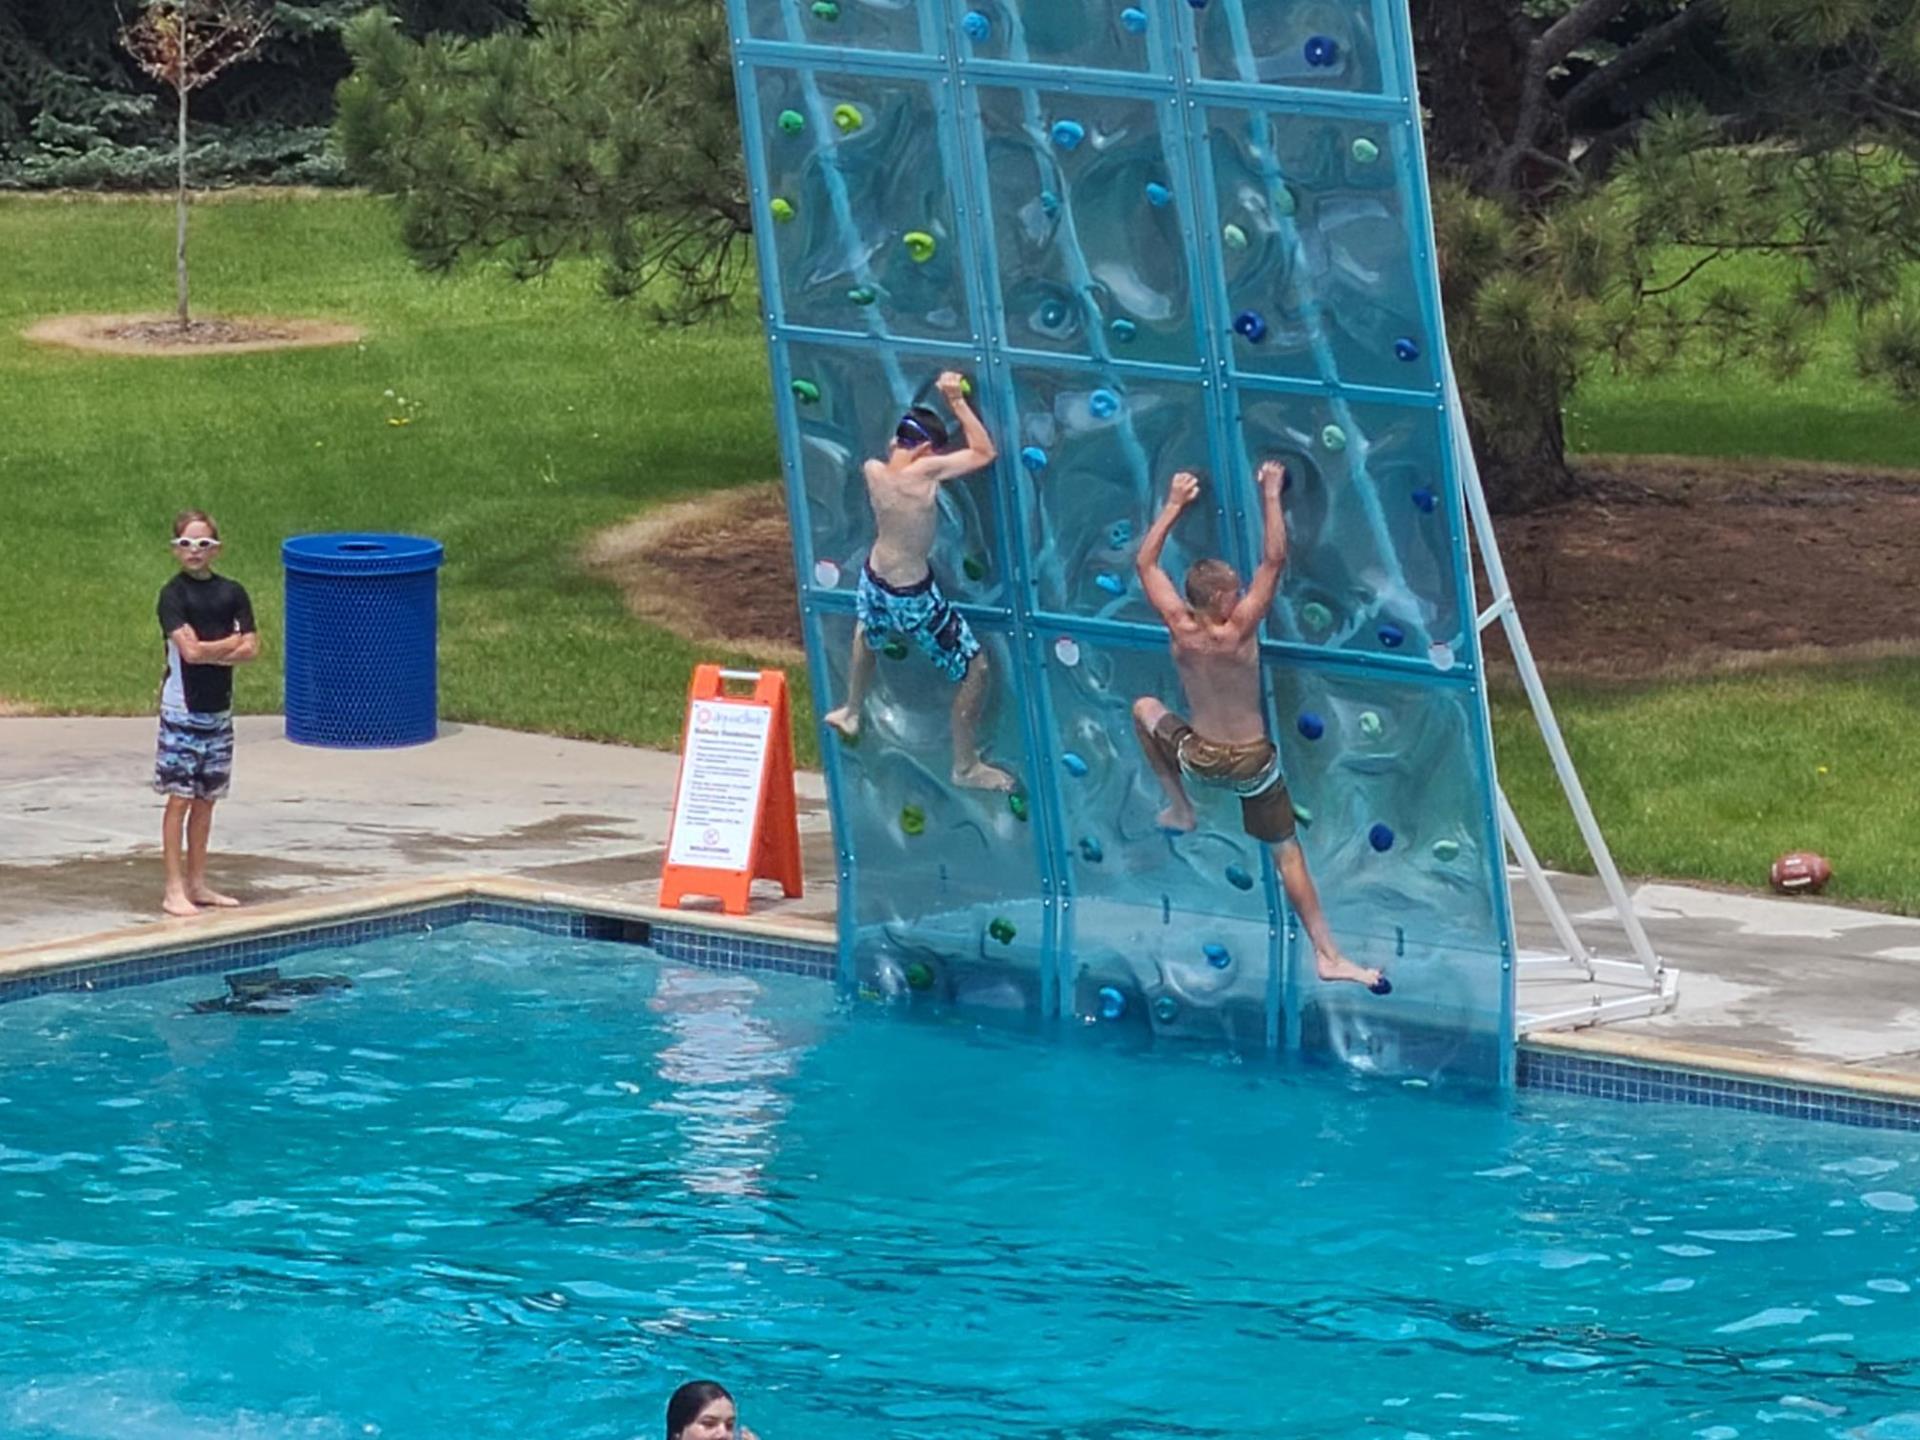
(921, 431)
(701, 1410)
(1213, 588)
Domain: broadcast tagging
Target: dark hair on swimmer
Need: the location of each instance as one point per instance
(920, 426)
(187, 517)
(688, 1401)
(1210, 581)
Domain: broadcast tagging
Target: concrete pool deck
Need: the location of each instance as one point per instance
(1800, 989)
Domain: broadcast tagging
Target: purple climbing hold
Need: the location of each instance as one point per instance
(1381, 838)
(1407, 348)
(1251, 326)
(1392, 636)
(1158, 195)
(1311, 725)
(1322, 51)
(1135, 19)
(1068, 134)
(1426, 500)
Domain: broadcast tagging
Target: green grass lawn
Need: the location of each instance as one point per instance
(541, 413)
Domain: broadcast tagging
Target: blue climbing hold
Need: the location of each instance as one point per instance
(1091, 851)
(977, 25)
(1053, 315)
(1311, 725)
(1322, 51)
(1068, 134)
(1120, 534)
(1239, 878)
(1166, 1009)
(1112, 584)
(1198, 4)
(1407, 348)
(1104, 404)
(1135, 19)
(1075, 766)
(1034, 458)
(1251, 326)
(1381, 838)
(1113, 1004)
(1392, 636)
(1158, 195)
(1218, 956)
(1124, 331)
(1049, 202)
(1427, 501)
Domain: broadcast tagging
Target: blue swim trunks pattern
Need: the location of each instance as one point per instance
(195, 755)
(922, 612)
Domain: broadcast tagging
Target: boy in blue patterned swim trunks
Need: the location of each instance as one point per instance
(207, 620)
(898, 593)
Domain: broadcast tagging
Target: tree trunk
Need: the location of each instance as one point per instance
(1527, 472)
(180, 210)
(1473, 68)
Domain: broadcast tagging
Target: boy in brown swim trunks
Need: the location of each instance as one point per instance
(1215, 629)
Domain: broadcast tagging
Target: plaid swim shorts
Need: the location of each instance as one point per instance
(195, 755)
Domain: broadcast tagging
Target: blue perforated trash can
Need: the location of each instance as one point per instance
(363, 620)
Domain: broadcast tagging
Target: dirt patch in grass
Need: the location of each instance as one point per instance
(14, 707)
(162, 334)
(1674, 567)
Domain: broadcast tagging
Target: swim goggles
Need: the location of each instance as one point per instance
(911, 432)
(195, 543)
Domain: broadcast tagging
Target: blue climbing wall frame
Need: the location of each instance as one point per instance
(1157, 235)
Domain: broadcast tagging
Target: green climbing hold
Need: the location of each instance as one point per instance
(1002, 929)
(1284, 203)
(862, 295)
(806, 392)
(1334, 438)
(913, 820)
(1372, 727)
(895, 649)
(848, 118)
(1302, 814)
(920, 246)
(792, 121)
(1235, 237)
(1365, 151)
(1017, 803)
(1316, 617)
(919, 975)
(826, 10)
(782, 210)
(974, 568)
(1446, 851)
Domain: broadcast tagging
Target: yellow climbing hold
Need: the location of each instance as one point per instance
(920, 246)
(848, 118)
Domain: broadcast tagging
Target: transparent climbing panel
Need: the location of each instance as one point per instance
(1162, 235)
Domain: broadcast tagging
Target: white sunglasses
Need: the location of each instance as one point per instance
(195, 542)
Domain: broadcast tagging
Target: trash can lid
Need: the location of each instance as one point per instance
(357, 553)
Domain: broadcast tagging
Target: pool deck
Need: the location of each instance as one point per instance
(1803, 990)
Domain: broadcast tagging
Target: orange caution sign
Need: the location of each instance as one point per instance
(736, 818)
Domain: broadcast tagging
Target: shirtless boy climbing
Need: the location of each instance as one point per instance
(1215, 629)
(897, 589)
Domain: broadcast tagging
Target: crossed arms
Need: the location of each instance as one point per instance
(1252, 607)
(235, 649)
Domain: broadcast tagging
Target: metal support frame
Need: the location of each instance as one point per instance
(1651, 988)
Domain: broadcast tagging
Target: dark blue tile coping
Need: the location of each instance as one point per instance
(1549, 1071)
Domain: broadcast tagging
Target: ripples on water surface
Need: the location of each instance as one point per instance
(511, 1186)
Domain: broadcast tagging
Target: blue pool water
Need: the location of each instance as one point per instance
(513, 1186)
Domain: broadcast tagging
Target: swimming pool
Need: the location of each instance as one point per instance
(512, 1185)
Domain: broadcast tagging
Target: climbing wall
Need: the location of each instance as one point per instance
(1171, 234)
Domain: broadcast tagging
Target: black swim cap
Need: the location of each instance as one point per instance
(920, 426)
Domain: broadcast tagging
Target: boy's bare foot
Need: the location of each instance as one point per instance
(213, 898)
(847, 723)
(982, 776)
(1335, 968)
(179, 905)
(1180, 819)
